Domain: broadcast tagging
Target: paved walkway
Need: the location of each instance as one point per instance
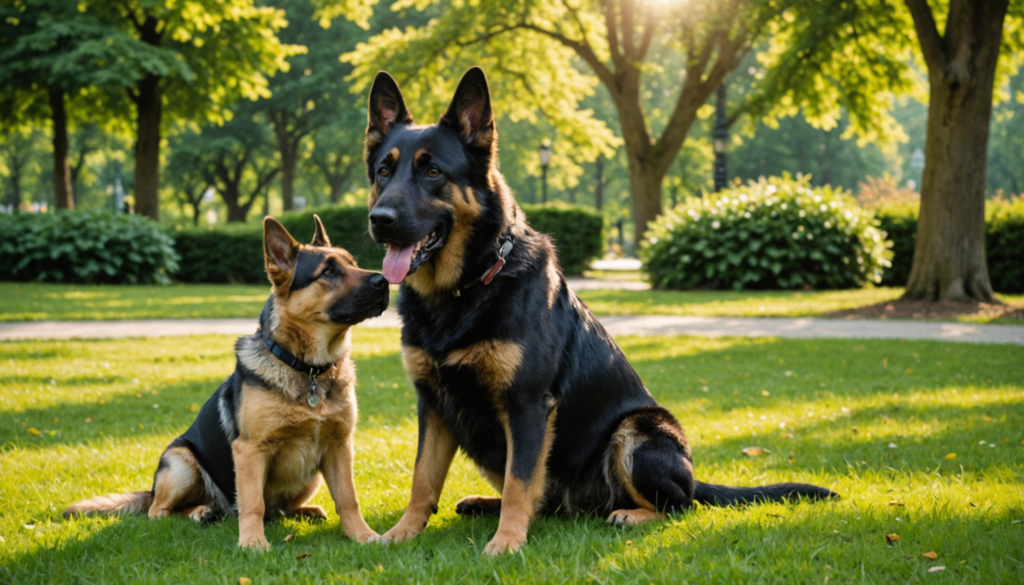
(617, 325)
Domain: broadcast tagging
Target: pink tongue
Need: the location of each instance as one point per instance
(397, 262)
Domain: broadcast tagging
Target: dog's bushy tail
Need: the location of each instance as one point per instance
(721, 495)
(129, 503)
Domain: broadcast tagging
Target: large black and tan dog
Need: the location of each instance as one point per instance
(286, 415)
(508, 364)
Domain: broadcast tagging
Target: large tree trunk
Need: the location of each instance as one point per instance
(949, 257)
(62, 193)
(236, 210)
(288, 149)
(149, 107)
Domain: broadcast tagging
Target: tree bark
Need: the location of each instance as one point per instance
(62, 193)
(949, 257)
(288, 149)
(149, 108)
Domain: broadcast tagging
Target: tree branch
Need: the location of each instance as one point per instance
(613, 33)
(628, 29)
(932, 43)
(650, 24)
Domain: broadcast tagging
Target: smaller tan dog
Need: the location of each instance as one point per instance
(286, 415)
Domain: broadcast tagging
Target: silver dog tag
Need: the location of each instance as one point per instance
(314, 399)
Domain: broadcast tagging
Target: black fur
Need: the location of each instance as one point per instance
(568, 357)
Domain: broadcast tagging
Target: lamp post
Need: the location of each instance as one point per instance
(720, 137)
(544, 152)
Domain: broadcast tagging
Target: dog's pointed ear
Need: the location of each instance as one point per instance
(280, 251)
(470, 112)
(387, 108)
(320, 239)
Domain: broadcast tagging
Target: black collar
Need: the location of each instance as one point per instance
(298, 366)
(502, 251)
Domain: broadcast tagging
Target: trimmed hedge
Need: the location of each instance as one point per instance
(85, 246)
(1004, 242)
(774, 233)
(577, 232)
(233, 253)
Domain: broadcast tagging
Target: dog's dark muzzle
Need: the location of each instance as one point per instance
(368, 301)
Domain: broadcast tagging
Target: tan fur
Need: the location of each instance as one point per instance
(127, 503)
(495, 362)
(374, 194)
(625, 440)
(394, 154)
(420, 154)
(419, 365)
(179, 484)
(434, 459)
(634, 517)
(521, 500)
(442, 273)
(554, 282)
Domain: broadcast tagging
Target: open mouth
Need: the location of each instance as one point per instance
(404, 259)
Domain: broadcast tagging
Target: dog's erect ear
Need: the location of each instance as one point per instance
(280, 251)
(470, 111)
(320, 239)
(387, 108)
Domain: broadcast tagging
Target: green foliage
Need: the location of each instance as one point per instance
(775, 233)
(1004, 244)
(84, 246)
(899, 222)
(234, 253)
(576, 231)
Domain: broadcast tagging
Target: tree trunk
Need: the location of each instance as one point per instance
(288, 159)
(62, 194)
(645, 191)
(195, 211)
(949, 257)
(236, 211)
(335, 185)
(149, 107)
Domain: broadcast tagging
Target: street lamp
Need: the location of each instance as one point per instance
(544, 152)
(720, 140)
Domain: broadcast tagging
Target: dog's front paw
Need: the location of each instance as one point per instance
(365, 536)
(402, 531)
(505, 542)
(312, 513)
(255, 542)
(632, 517)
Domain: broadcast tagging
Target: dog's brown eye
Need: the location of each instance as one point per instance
(383, 171)
(433, 172)
(328, 272)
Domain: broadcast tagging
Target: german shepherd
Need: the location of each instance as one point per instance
(509, 365)
(286, 415)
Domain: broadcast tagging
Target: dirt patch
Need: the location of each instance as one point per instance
(944, 310)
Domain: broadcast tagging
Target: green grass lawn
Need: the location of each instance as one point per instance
(62, 302)
(878, 422)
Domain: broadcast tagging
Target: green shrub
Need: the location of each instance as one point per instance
(1004, 244)
(575, 229)
(775, 233)
(233, 253)
(899, 222)
(85, 246)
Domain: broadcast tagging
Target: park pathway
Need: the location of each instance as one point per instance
(616, 325)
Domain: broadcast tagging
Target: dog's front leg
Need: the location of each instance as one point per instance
(250, 480)
(434, 455)
(337, 470)
(529, 431)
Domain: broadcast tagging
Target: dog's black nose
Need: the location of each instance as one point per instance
(383, 216)
(378, 281)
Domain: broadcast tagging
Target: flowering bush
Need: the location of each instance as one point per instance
(774, 233)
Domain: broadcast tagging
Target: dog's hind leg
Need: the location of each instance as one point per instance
(178, 485)
(297, 506)
(650, 460)
(483, 505)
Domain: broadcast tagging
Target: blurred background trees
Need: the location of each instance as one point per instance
(224, 110)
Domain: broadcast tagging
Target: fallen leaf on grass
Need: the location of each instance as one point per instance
(193, 407)
(244, 581)
(936, 569)
(289, 537)
(380, 568)
(34, 431)
(787, 435)
(755, 451)
(303, 556)
(896, 503)
(930, 555)
(951, 456)
(629, 543)
(891, 538)
(986, 418)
